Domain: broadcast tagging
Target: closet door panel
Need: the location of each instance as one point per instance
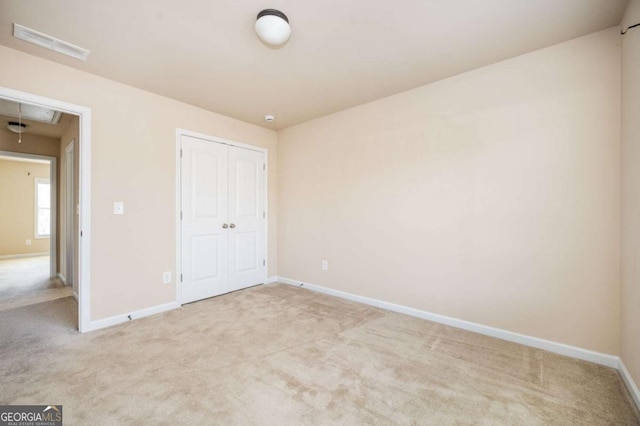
(247, 218)
(204, 240)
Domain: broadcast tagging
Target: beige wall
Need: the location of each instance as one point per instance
(31, 144)
(133, 160)
(492, 196)
(70, 135)
(17, 198)
(631, 192)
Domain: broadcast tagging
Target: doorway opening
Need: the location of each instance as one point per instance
(28, 249)
(62, 217)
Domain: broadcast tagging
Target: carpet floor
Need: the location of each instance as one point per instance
(280, 355)
(25, 281)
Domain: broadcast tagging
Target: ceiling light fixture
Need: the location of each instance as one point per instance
(272, 27)
(269, 118)
(16, 127)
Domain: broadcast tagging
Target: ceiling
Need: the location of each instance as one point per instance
(341, 53)
(39, 128)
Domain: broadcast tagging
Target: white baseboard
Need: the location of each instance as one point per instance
(547, 345)
(119, 319)
(271, 280)
(631, 385)
(20, 256)
(62, 278)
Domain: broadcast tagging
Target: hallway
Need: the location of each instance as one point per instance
(25, 281)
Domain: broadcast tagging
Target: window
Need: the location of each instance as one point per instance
(43, 208)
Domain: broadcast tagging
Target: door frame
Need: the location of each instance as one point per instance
(53, 180)
(69, 213)
(183, 132)
(84, 201)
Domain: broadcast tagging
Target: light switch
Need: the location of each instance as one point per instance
(118, 207)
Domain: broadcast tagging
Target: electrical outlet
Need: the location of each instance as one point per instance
(28, 242)
(166, 278)
(325, 265)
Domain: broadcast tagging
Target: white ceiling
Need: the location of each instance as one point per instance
(341, 53)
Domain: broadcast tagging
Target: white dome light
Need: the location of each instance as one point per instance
(16, 127)
(272, 27)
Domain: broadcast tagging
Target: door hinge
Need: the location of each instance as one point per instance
(264, 215)
(180, 215)
(264, 166)
(264, 262)
(81, 233)
(180, 277)
(180, 152)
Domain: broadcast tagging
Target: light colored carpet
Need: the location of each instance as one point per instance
(25, 281)
(279, 355)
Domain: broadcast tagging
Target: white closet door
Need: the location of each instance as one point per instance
(247, 222)
(204, 212)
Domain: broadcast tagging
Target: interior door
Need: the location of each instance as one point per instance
(204, 214)
(247, 218)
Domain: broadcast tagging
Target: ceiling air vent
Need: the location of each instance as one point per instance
(48, 42)
(10, 108)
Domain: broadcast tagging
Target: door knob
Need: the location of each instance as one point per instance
(225, 226)
(233, 225)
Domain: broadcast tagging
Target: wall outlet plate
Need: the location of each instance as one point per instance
(118, 207)
(325, 265)
(166, 278)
